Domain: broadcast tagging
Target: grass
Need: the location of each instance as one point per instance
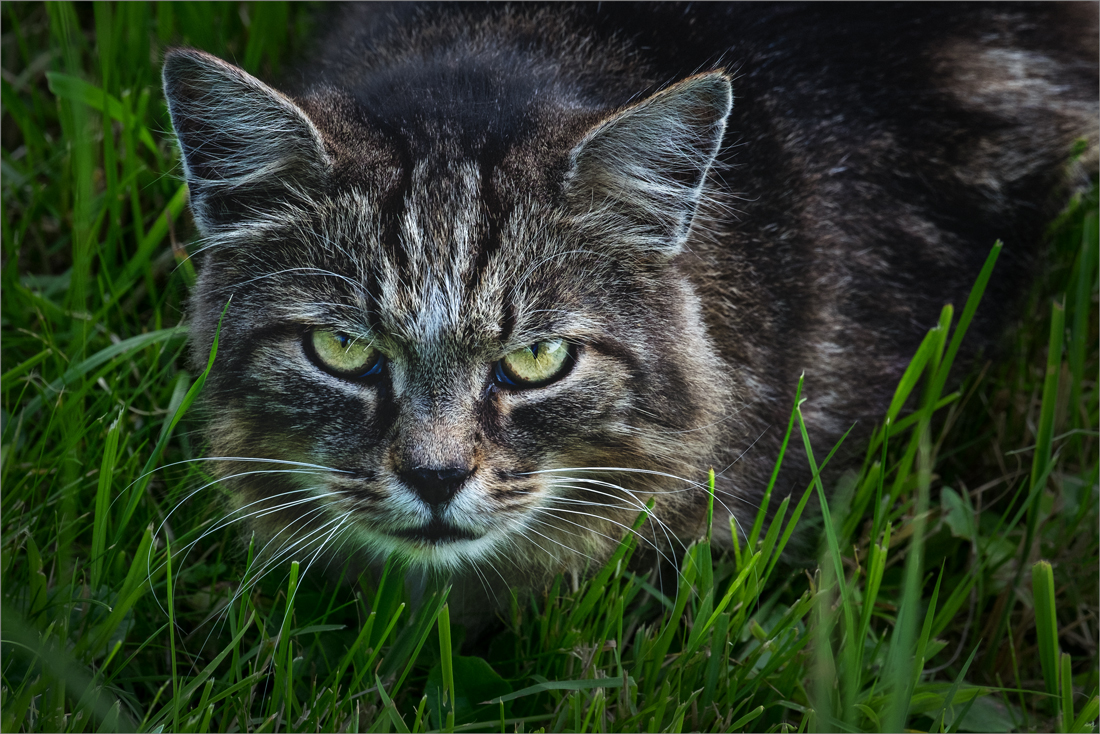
(957, 588)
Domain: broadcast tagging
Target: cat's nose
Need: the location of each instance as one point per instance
(436, 486)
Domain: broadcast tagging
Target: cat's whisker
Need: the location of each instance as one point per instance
(343, 540)
(655, 491)
(571, 551)
(742, 454)
(632, 493)
(229, 519)
(219, 481)
(208, 242)
(712, 424)
(520, 549)
(222, 523)
(183, 552)
(558, 528)
(660, 573)
(694, 485)
(358, 287)
(586, 503)
(670, 536)
(634, 502)
(290, 537)
(637, 505)
(489, 591)
(355, 308)
(499, 559)
(631, 470)
(200, 459)
(553, 510)
(321, 546)
(271, 561)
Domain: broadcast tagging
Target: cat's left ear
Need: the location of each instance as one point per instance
(645, 167)
(247, 148)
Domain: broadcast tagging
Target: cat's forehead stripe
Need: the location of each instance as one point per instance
(440, 230)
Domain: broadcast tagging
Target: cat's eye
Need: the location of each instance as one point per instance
(536, 365)
(341, 355)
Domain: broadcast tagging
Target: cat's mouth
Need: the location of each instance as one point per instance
(435, 532)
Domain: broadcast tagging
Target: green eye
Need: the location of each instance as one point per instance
(343, 356)
(536, 365)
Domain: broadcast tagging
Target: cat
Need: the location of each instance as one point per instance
(499, 275)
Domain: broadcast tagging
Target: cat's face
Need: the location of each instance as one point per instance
(455, 358)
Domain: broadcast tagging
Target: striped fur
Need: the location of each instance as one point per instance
(703, 205)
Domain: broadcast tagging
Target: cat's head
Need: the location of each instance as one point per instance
(457, 345)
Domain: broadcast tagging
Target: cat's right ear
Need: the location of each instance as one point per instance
(642, 172)
(247, 149)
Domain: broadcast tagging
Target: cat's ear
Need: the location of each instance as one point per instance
(645, 167)
(247, 148)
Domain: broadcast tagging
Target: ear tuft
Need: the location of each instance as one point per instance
(246, 147)
(644, 168)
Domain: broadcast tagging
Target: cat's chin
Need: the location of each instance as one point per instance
(438, 545)
(435, 533)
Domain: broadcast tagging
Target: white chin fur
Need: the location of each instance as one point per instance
(426, 555)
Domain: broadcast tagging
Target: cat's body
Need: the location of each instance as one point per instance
(453, 185)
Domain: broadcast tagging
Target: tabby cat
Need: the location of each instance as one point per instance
(498, 275)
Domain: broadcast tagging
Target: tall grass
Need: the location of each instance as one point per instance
(957, 586)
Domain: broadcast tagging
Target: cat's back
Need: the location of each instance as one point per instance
(873, 154)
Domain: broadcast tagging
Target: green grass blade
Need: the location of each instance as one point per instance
(284, 648)
(664, 640)
(1041, 465)
(761, 514)
(102, 500)
(365, 669)
(1086, 720)
(971, 306)
(1083, 287)
(137, 489)
(949, 697)
(560, 685)
(902, 680)
(926, 630)
(443, 621)
(418, 635)
(618, 559)
(1041, 462)
(175, 703)
(80, 370)
(77, 90)
(207, 673)
(875, 570)
(133, 588)
(744, 721)
(1046, 625)
(62, 666)
(830, 528)
(1066, 680)
(391, 709)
